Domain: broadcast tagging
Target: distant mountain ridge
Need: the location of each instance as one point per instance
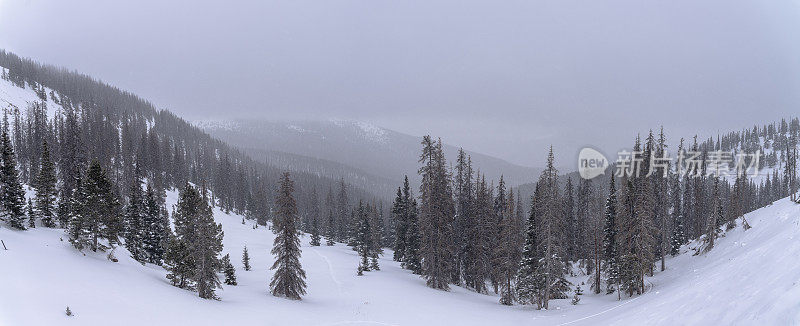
(377, 151)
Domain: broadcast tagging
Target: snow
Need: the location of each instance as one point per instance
(12, 96)
(751, 277)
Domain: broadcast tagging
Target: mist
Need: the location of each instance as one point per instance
(505, 78)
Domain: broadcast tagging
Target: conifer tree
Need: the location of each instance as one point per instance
(315, 237)
(714, 220)
(330, 229)
(610, 229)
(229, 270)
(207, 246)
(401, 225)
(508, 252)
(95, 212)
(362, 238)
(289, 278)
(528, 285)
(45, 186)
(156, 228)
(412, 258)
(551, 266)
(375, 237)
(31, 215)
(192, 257)
(677, 237)
(134, 219)
(541, 277)
(245, 259)
(12, 196)
(436, 214)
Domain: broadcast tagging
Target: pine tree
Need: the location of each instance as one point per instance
(135, 227)
(528, 285)
(436, 214)
(362, 238)
(192, 256)
(610, 239)
(499, 212)
(375, 234)
(330, 233)
(289, 278)
(45, 186)
(207, 246)
(401, 225)
(229, 270)
(507, 253)
(31, 215)
(245, 259)
(677, 238)
(315, 237)
(156, 228)
(412, 258)
(12, 196)
(95, 212)
(541, 277)
(714, 220)
(463, 223)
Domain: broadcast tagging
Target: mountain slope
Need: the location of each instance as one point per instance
(749, 278)
(366, 147)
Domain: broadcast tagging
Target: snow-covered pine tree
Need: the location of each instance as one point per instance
(45, 186)
(156, 228)
(362, 238)
(289, 278)
(508, 252)
(398, 214)
(528, 286)
(499, 211)
(245, 259)
(570, 221)
(677, 237)
(479, 229)
(541, 275)
(342, 213)
(610, 230)
(412, 258)
(135, 228)
(713, 220)
(313, 217)
(179, 260)
(12, 196)
(330, 229)
(436, 214)
(464, 197)
(207, 245)
(551, 267)
(31, 215)
(660, 177)
(315, 237)
(229, 270)
(375, 237)
(95, 212)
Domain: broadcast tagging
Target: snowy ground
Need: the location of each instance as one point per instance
(750, 278)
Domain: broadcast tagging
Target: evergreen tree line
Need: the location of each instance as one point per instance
(616, 231)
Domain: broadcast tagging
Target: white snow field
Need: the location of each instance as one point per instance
(750, 278)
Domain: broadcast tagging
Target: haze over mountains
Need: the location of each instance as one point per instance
(361, 148)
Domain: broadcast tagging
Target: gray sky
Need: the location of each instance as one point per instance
(505, 78)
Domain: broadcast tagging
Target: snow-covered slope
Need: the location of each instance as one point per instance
(750, 278)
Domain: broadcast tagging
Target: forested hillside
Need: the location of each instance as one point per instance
(82, 119)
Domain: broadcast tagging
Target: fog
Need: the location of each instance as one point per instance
(506, 78)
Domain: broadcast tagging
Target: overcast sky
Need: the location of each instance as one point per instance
(506, 78)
